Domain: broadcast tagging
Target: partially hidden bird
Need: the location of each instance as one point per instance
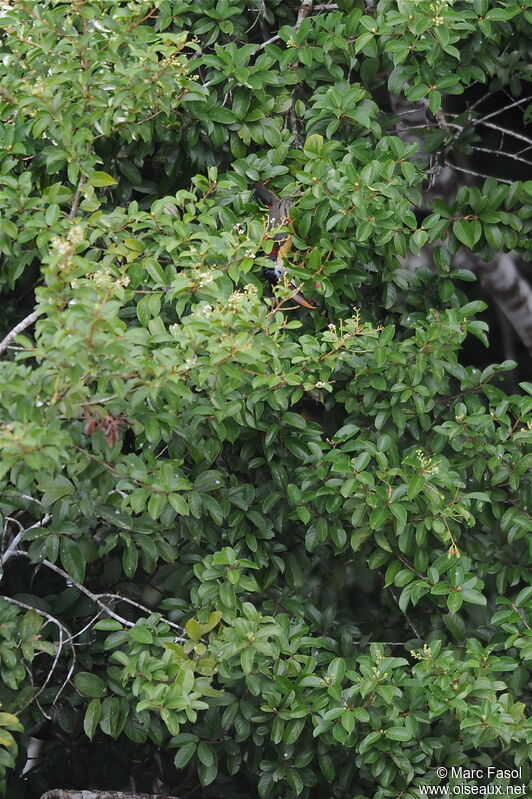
(279, 216)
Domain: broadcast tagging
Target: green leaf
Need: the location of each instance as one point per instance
(398, 734)
(185, 754)
(314, 144)
(90, 685)
(207, 774)
(140, 634)
(8, 227)
(464, 232)
(206, 754)
(101, 179)
(416, 483)
(473, 597)
(454, 601)
(92, 718)
(72, 558)
(193, 629)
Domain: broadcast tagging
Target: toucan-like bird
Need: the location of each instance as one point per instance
(278, 216)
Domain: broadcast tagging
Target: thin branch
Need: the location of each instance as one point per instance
(86, 627)
(77, 198)
(501, 110)
(97, 598)
(476, 174)
(265, 44)
(27, 322)
(405, 614)
(11, 549)
(62, 629)
(94, 597)
(502, 153)
(30, 499)
(506, 131)
(120, 598)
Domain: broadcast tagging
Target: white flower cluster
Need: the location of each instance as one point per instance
(104, 280)
(239, 298)
(425, 654)
(437, 7)
(66, 248)
(205, 310)
(204, 279)
(427, 464)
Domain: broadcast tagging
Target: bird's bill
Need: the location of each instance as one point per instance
(300, 298)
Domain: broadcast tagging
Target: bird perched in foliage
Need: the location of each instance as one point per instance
(278, 216)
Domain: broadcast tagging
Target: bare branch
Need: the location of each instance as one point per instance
(62, 641)
(144, 609)
(265, 44)
(476, 174)
(77, 198)
(11, 549)
(505, 131)
(98, 598)
(27, 322)
(503, 153)
(501, 110)
(405, 614)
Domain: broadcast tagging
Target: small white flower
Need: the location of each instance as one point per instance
(204, 279)
(205, 310)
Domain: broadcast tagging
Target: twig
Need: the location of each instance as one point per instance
(476, 174)
(507, 131)
(52, 620)
(27, 322)
(502, 153)
(501, 110)
(405, 614)
(492, 125)
(11, 549)
(134, 604)
(265, 44)
(97, 598)
(77, 198)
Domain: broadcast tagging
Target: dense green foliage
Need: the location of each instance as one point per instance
(249, 549)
